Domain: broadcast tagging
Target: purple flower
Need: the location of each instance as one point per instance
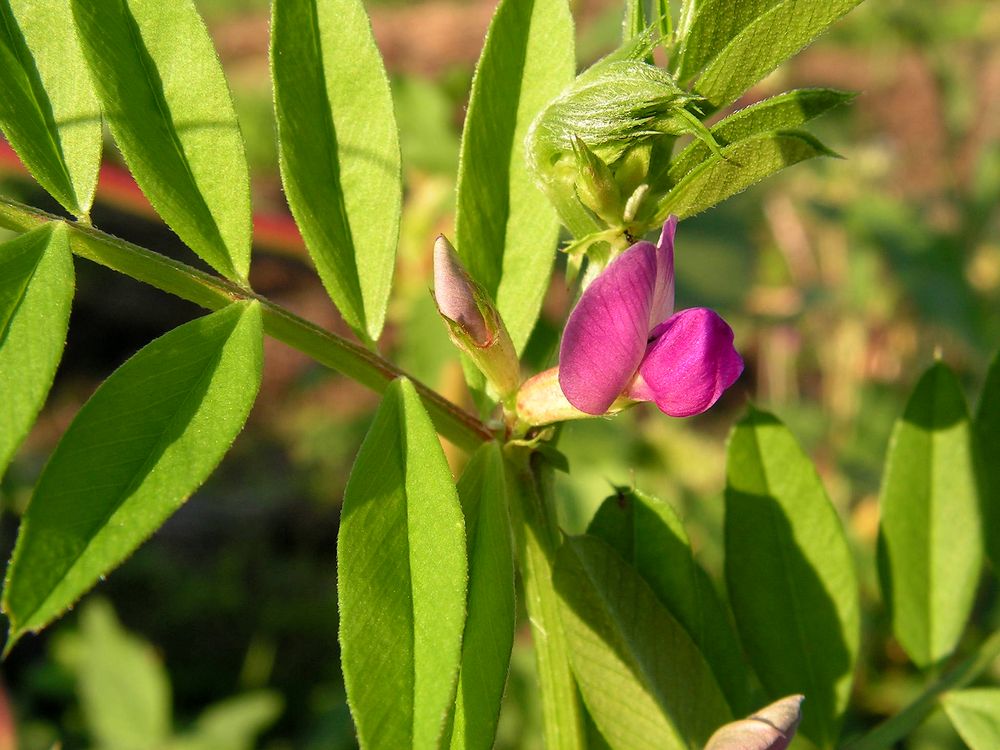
(623, 339)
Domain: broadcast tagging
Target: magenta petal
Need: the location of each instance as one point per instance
(663, 299)
(605, 337)
(689, 364)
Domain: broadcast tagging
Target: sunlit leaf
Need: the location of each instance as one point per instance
(505, 227)
(489, 629)
(986, 437)
(788, 110)
(761, 45)
(48, 109)
(36, 290)
(643, 679)
(146, 439)
(975, 714)
(171, 113)
(740, 165)
(401, 565)
(339, 150)
(930, 550)
(790, 574)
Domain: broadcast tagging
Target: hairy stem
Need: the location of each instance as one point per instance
(892, 730)
(538, 537)
(329, 349)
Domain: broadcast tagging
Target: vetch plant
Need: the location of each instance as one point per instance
(636, 646)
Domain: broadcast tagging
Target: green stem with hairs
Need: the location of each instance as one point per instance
(211, 292)
(537, 536)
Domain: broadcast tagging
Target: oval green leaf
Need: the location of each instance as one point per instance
(788, 110)
(48, 109)
(763, 44)
(930, 550)
(975, 714)
(146, 439)
(740, 165)
(489, 627)
(506, 229)
(986, 436)
(401, 567)
(169, 108)
(649, 535)
(339, 151)
(36, 292)
(644, 681)
(790, 574)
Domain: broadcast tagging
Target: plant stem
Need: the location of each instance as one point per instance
(538, 537)
(350, 359)
(897, 727)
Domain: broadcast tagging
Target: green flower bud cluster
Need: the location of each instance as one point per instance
(601, 149)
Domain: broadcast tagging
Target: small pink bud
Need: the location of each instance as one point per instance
(474, 323)
(771, 728)
(455, 293)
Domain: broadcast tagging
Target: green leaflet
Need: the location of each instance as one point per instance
(36, 292)
(790, 574)
(741, 165)
(986, 437)
(975, 714)
(772, 37)
(930, 552)
(48, 109)
(146, 439)
(643, 679)
(124, 689)
(788, 110)
(170, 111)
(713, 25)
(125, 693)
(339, 150)
(401, 565)
(489, 629)
(648, 534)
(505, 228)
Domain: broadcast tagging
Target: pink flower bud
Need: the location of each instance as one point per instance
(771, 728)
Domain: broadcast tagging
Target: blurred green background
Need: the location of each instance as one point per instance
(842, 279)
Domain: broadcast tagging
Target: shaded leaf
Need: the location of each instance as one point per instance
(36, 291)
(643, 679)
(506, 229)
(790, 574)
(401, 565)
(770, 38)
(975, 714)
(930, 551)
(48, 109)
(741, 164)
(167, 104)
(788, 110)
(986, 436)
(146, 439)
(489, 628)
(339, 150)
(647, 533)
